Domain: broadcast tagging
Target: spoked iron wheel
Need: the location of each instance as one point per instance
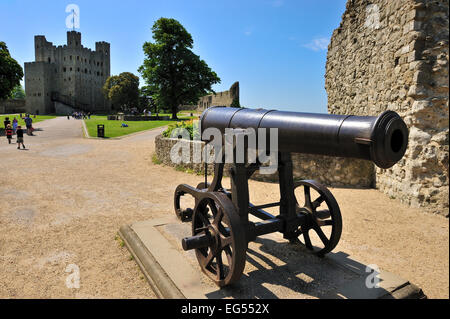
(215, 217)
(321, 228)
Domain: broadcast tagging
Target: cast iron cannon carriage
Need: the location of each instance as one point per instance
(221, 228)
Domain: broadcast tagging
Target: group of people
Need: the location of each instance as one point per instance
(80, 115)
(16, 129)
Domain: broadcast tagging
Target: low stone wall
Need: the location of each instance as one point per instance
(12, 106)
(330, 171)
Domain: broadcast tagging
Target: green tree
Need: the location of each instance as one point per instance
(172, 71)
(146, 100)
(11, 73)
(122, 90)
(18, 92)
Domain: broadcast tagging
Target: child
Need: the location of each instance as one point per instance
(9, 133)
(20, 137)
(6, 122)
(15, 124)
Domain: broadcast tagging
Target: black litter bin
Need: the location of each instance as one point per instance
(101, 130)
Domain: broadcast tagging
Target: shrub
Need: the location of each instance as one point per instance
(175, 129)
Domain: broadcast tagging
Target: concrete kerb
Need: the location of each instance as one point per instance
(86, 133)
(158, 279)
(151, 244)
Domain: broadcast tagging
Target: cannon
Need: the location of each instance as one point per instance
(221, 228)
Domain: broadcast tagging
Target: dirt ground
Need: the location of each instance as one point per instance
(64, 199)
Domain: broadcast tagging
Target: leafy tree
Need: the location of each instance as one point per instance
(18, 92)
(172, 71)
(10, 72)
(122, 90)
(146, 100)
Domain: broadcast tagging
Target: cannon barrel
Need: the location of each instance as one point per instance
(381, 139)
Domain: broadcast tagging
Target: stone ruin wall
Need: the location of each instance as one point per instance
(393, 55)
(12, 106)
(224, 98)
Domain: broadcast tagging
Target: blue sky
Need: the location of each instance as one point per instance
(276, 49)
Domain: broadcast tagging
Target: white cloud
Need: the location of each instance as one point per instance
(318, 44)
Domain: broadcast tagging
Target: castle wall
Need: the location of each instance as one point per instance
(12, 106)
(71, 71)
(393, 55)
(225, 98)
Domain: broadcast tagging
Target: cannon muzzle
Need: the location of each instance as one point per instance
(381, 139)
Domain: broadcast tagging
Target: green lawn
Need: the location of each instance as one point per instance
(38, 118)
(114, 129)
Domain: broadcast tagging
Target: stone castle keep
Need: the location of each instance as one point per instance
(67, 77)
(394, 55)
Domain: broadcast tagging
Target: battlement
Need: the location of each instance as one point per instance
(102, 47)
(73, 39)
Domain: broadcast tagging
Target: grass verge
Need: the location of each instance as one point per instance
(115, 129)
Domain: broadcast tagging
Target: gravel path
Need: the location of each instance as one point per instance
(64, 199)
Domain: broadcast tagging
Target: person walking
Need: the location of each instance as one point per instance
(29, 124)
(20, 137)
(9, 133)
(15, 124)
(6, 122)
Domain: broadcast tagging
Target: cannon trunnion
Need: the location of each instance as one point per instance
(308, 213)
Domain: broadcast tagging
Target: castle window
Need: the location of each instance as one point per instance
(70, 79)
(64, 69)
(78, 58)
(85, 71)
(98, 73)
(64, 58)
(70, 69)
(78, 70)
(70, 57)
(49, 60)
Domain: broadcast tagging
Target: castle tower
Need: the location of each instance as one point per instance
(67, 78)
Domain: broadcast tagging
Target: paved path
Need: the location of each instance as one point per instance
(63, 201)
